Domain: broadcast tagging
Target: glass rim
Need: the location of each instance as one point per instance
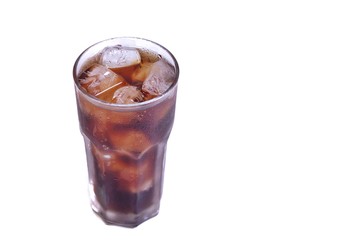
(131, 105)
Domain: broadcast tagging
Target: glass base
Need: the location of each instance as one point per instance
(125, 217)
(129, 220)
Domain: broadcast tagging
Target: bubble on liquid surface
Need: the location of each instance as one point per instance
(161, 77)
(128, 95)
(119, 56)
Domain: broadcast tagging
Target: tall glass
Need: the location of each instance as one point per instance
(125, 143)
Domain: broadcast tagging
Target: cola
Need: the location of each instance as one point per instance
(126, 95)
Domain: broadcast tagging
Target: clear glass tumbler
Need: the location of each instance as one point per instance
(125, 143)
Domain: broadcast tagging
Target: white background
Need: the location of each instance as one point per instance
(266, 141)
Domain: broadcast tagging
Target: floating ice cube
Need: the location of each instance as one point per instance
(141, 72)
(149, 56)
(119, 56)
(105, 116)
(127, 95)
(160, 78)
(97, 79)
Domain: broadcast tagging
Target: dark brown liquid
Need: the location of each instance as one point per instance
(126, 149)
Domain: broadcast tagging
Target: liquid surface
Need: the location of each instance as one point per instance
(124, 75)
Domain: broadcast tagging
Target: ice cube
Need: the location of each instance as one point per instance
(132, 176)
(136, 177)
(160, 78)
(105, 116)
(127, 95)
(105, 159)
(132, 141)
(149, 56)
(141, 72)
(98, 79)
(119, 56)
